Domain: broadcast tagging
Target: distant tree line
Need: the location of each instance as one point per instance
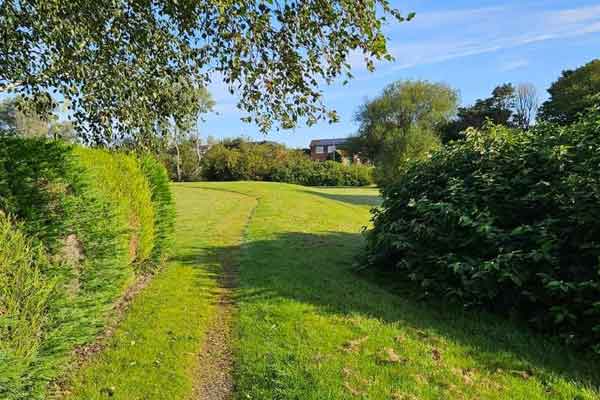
(412, 118)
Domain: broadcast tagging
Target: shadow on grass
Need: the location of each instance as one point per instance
(355, 199)
(318, 270)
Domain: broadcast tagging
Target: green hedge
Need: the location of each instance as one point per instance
(506, 220)
(25, 292)
(120, 179)
(89, 220)
(326, 173)
(267, 162)
(164, 207)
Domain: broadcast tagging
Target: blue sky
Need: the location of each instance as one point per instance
(470, 45)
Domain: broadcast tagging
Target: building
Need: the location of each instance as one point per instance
(322, 149)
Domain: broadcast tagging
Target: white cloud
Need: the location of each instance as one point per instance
(435, 19)
(513, 65)
(575, 15)
(488, 30)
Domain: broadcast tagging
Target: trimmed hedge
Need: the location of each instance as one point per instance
(327, 173)
(506, 220)
(85, 222)
(25, 292)
(163, 204)
(266, 162)
(120, 179)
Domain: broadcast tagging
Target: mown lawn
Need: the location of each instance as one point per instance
(153, 354)
(309, 326)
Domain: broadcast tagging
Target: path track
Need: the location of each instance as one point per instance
(214, 376)
(175, 341)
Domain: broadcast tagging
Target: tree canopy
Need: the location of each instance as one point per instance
(402, 123)
(14, 120)
(508, 105)
(118, 61)
(573, 93)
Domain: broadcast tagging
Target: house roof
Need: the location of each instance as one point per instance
(328, 142)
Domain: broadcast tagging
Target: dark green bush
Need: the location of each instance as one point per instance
(266, 162)
(88, 220)
(506, 220)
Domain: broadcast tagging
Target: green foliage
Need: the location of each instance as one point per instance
(92, 212)
(16, 119)
(61, 209)
(24, 295)
(121, 180)
(402, 123)
(141, 64)
(303, 171)
(574, 92)
(267, 162)
(498, 109)
(163, 205)
(504, 219)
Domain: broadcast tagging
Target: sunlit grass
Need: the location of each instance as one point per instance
(154, 351)
(309, 326)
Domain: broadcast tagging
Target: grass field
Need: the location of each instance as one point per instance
(309, 326)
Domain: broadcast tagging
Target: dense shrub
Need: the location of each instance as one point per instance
(121, 180)
(24, 295)
(504, 219)
(163, 204)
(266, 162)
(303, 171)
(83, 212)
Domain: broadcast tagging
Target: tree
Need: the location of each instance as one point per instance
(16, 119)
(526, 105)
(497, 108)
(573, 93)
(118, 61)
(402, 123)
(503, 107)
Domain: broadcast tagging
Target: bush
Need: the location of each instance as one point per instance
(266, 162)
(164, 207)
(24, 297)
(507, 220)
(87, 220)
(120, 179)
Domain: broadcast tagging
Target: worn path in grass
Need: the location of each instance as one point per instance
(306, 326)
(173, 343)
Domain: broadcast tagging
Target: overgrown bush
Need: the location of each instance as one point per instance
(82, 213)
(266, 162)
(507, 220)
